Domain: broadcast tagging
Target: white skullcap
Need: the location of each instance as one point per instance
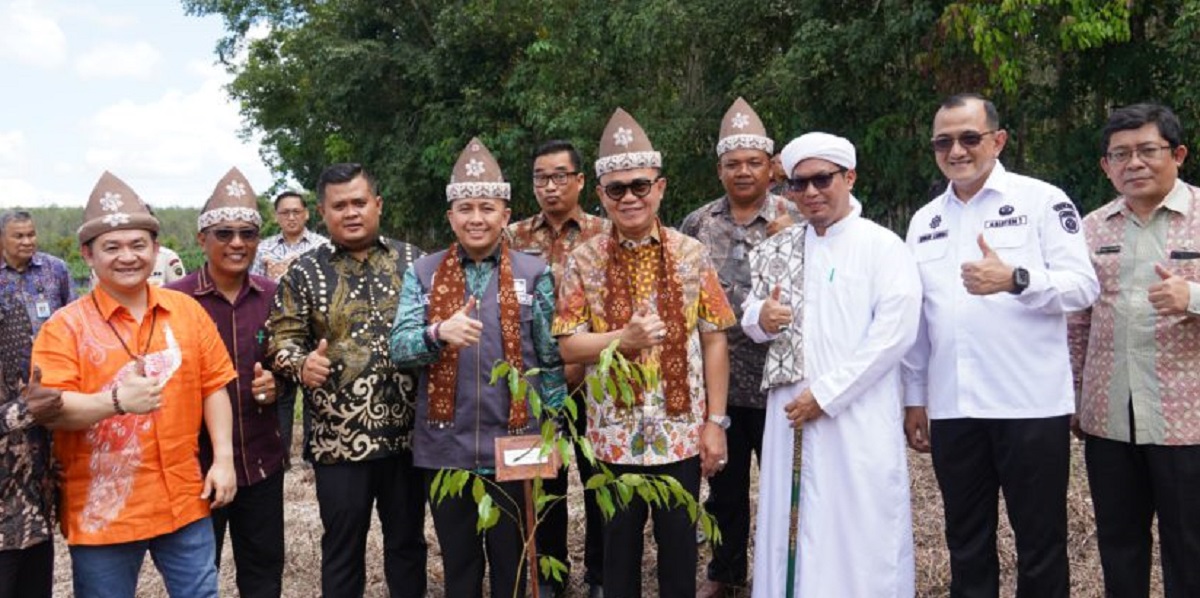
(835, 149)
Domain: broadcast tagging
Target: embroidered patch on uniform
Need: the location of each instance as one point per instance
(936, 222)
(1069, 221)
(1006, 210)
(942, 234)
(1003, 222)
(1063, 206)
(1108, 249)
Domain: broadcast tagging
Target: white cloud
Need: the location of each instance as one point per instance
(12, 153)
(30, 37)
(137, 60)
(161, 148)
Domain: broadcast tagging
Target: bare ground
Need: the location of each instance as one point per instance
(302, 573)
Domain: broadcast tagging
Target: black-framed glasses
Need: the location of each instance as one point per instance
(818, 181)
(290, 213)
(559, 178)
(1145, 153)
(967, 139)
(640, 187)
(226, 235)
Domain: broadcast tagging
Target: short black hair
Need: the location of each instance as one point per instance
(1136, 116)
(960, 99)
(13, 216)
(289, 193)
(343, 172)
(555, 146)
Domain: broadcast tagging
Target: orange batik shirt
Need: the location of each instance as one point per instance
(132, 477)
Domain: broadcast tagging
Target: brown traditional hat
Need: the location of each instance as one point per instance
(624, 146)
(742, 129)
(477, 175)
(233, 199)
(114, 206)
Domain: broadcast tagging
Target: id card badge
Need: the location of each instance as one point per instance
(43, 309)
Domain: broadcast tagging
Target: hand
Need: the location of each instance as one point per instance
(43, 403)
(221, 483)
(774, 316)
(804, 408)
(916, 429)
(1171, 296)
(988, 275)
(315, 370)
(713, 453)
(1075, 428)
(139, 394)
(263, 385)
(643, 331)
(461, 330)
(779, 224)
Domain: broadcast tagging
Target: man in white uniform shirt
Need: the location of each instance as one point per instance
(988, 383)
(858, 302)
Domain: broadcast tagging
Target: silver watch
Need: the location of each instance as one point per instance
(721, 420)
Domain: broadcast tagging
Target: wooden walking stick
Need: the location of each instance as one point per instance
(794, 514)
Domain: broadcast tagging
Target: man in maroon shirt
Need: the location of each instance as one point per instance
(239, 303)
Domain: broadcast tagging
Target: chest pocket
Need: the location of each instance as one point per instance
(1013, 244)
(932, 249)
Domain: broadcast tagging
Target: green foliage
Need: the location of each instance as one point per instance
(612, 492)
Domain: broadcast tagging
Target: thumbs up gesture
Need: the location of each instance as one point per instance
(43, 403)
(461, 329)
(1171, 295)
(315, 370)
(775, 316)
(644, 330)
(263, 385)
(988, 275)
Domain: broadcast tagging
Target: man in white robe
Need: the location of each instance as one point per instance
(857, 295)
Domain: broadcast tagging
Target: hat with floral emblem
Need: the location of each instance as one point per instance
(114, 206)
(477, 175)
(232, 199)
(624, 146)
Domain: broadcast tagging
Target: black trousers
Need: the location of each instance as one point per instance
(729, 495)
(1130, 484)
(552, 532)
(285, 403)
(1027, 459)
(674, 532)
(255, 523)
(346, 493)
(27, 572)
(465, 551)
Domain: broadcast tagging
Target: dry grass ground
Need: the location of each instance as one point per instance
(302, 573)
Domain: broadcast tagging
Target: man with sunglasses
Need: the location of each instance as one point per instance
(1136, 353)
(238, 303)
(330, 323)
(552, 234)
(833, 372)
(655, 292)
(731, 226)
(988, 383)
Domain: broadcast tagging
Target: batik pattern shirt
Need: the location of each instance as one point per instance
(644, 435)
(536, 236)
(1123, 354)
(27, 489)
(42, 288)
(365, 408)
(729, 244)
(275, 255)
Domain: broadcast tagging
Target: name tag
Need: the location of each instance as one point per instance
(1184, 254)
(43, 309)
(522, 292)
(941, 234)
(1108, 249)
(1014, 221)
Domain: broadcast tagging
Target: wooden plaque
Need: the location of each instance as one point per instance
(520, 458)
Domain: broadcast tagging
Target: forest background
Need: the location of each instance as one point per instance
(401, 86)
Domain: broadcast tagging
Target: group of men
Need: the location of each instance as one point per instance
(791, 328)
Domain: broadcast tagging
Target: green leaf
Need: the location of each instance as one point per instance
(485, 510)
(477, 490)
(596, 481)
(499, 370)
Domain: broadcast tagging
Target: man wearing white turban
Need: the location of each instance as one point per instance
(839, 299)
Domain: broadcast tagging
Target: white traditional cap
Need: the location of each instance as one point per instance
(114, 206)
(477, 175)
(233, 199)
(624, 146)
(835, 149)
(742, 129)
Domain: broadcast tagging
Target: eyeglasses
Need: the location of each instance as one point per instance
(225, 235)
(296, 213)
(967, 139)
(1145, 153)
(559, 178)
(640, 187)
(818, 181)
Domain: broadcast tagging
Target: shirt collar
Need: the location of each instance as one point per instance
(654, 237)
(1178, 200)
(574, 218)
(37, 261)
(339, 250)
(996, 183)
(109, 305)
(766, 212)
(840, 226)
(494, 256)
(205, 284)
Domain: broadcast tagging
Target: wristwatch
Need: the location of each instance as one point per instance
(1020, 280)
(721, 420)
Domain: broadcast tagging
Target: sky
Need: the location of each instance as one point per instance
(128, 86)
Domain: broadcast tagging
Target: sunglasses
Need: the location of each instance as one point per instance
(640, 187)
(968, 139)
(225, 235)
(818, 181)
